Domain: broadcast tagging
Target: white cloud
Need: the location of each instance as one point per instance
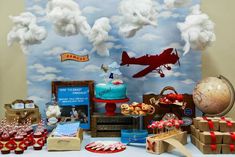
(114, 65)
(37, 9)
(47, 77)
(29, 82)
(131, 54)
(66, 18)
(150, 37)
(90, 10)
(43, 70)
(90, 68)
(54, 51)
(26, 31)
(188, 81)
(134, 15)
(168, 73)
(197, 31)
(176, 3)
(118, 46)
(167, 14)
(99, 36)
(116, 72)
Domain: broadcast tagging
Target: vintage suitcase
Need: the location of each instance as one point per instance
(22, 114)
(109, 126)
(186, 114)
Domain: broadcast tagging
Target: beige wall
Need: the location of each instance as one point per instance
(12, 61)
(218, 59)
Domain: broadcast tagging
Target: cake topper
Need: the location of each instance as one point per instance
(154, 62)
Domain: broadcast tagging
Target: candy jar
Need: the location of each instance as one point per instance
(20, 144)
(53, 112)
(38, 140)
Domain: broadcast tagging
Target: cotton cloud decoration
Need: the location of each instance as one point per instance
(99, 36)
(176, 3)
(66, 18)
(134, 15)
(197, 30)
(25, 31)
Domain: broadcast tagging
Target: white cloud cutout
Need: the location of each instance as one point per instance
(197, 31)
(90, 68)
(25, 31)
(43, 69)
(37, 9)
(188, 81)
(55, 51)
(66, 18)
(47, 77)
(150, 37)
(99, 36)
(134, 15)
(176, 3)
(90, 10)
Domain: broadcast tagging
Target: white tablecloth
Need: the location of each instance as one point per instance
(137, 150)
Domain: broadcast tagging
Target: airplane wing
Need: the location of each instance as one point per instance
(145, 71)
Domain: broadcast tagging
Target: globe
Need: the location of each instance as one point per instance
(214, 96)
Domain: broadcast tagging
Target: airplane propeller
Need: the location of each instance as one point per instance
(178, 56)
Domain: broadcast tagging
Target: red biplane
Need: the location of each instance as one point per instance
(154, 62)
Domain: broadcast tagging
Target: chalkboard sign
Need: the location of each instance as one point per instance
(73, 96)
(76, 100)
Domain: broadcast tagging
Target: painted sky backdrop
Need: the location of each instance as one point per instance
(44, 63)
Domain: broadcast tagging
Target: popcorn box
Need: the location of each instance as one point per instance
(194, 141)
(227, 126)
(211, 137)
(206, 148)
(208, 124)
(195, 132)
(160, 145)
(65, 143)
(229, 138)
(228, 149)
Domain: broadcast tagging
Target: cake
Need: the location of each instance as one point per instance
(112, 90)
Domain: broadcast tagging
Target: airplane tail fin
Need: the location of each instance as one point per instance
(125, 58)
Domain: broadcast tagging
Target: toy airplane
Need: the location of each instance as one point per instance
(154, 62)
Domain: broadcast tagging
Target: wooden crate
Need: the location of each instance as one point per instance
(65, 143)
(22, 114)
(109, 126)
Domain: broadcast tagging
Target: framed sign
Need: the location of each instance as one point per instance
(75, 99)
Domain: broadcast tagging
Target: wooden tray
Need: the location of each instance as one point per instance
(65, 143)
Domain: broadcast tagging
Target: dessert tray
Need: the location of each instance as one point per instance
(105, 147)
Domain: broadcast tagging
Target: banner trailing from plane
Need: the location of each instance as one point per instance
(73, 57)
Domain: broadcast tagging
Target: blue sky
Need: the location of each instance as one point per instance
(44, 63)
